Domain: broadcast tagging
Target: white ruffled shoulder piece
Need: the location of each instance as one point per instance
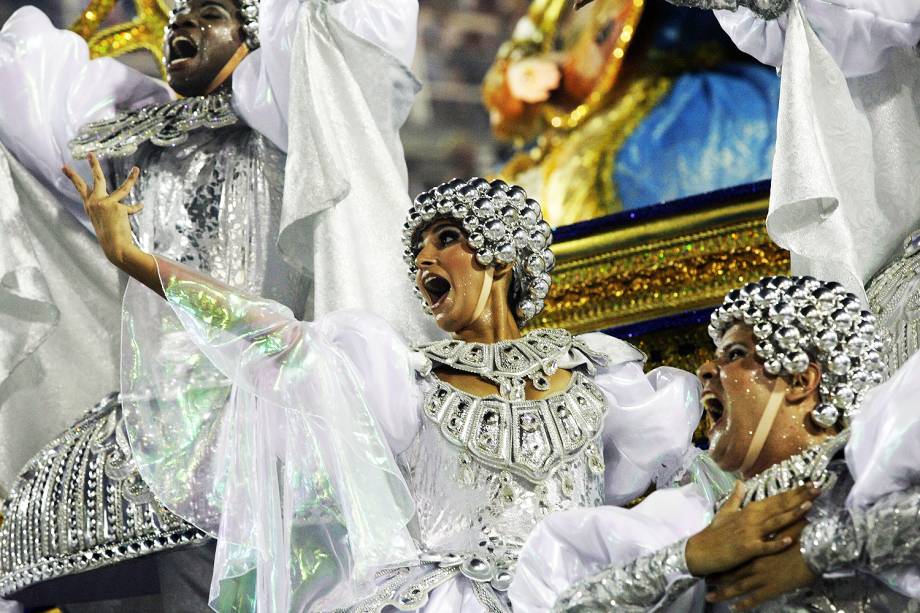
(883, 453)
(570, 546)
(52, 88)
(650, 418)
(843, 193)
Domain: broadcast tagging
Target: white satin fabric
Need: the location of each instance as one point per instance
(844, 190)
(339, 121)
(882, 455)
(572, 545)
(300, 454)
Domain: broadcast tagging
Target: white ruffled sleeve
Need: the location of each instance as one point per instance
(571, 546)
(261, 83)
(272, 434)
(858, 34)
(52, 88)
(649, 424)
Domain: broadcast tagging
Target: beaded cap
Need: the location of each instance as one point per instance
(798, 320)
(250, 11)
(503, 226)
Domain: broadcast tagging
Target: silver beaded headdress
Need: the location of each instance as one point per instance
(797, 320)
(250, 10)
(503, 226)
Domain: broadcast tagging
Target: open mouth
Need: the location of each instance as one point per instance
(436, 287)
(715, 410)
(182, 49)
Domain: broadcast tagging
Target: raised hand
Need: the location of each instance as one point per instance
(738, 535)
(111, 222)
(110, 218)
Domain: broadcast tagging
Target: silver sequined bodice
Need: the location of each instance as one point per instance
(213, 203)
(482, 467)
(483, 472)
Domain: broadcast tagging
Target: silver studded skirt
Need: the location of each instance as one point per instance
(80, 504)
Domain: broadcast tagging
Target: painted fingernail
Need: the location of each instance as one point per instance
(805, 505)
(787, 540)
(711, 597)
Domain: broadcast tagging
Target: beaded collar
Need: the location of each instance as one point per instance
(810, 466)
(509, 364)
(164, 125)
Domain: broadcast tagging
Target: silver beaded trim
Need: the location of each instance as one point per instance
(503, 226)
(80, 505)
(164, 125)
(797, 320)
(250, 11)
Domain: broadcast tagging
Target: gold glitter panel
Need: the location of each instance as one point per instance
(667, 266)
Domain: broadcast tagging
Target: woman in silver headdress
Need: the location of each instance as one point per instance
(795, 401)
(351, 470)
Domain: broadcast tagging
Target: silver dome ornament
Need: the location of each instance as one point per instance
(796, 363)
(509, 214)
(484, 208)
(443, 191)
(539, 289)
(782, 313)
(536, 241)
(762, 329)
(428, 213)
(839, 363)
(476, 240)
(788, 338)
(535, 265)
(517, 195)
(479, 184)
(520, 238)
(811, 316)
(843, 396)
(485, 257)
(471, 223)
(549, 258)
(505, 254)
(825, 300)
(469, 193)
(827, 340)
(773, 366)
(445, 206)
(527, 309)
(843, 321)
(530, 215)
(856, 343)
(493, 229)
(825, 416)
(765, 350)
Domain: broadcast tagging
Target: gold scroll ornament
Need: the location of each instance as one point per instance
(144, 32)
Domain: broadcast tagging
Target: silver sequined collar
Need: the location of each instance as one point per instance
(810, 466)
(509, 364)
(164, 125)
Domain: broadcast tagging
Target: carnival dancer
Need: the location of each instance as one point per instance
(352, 471)
(793, 393)
(322, 86)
